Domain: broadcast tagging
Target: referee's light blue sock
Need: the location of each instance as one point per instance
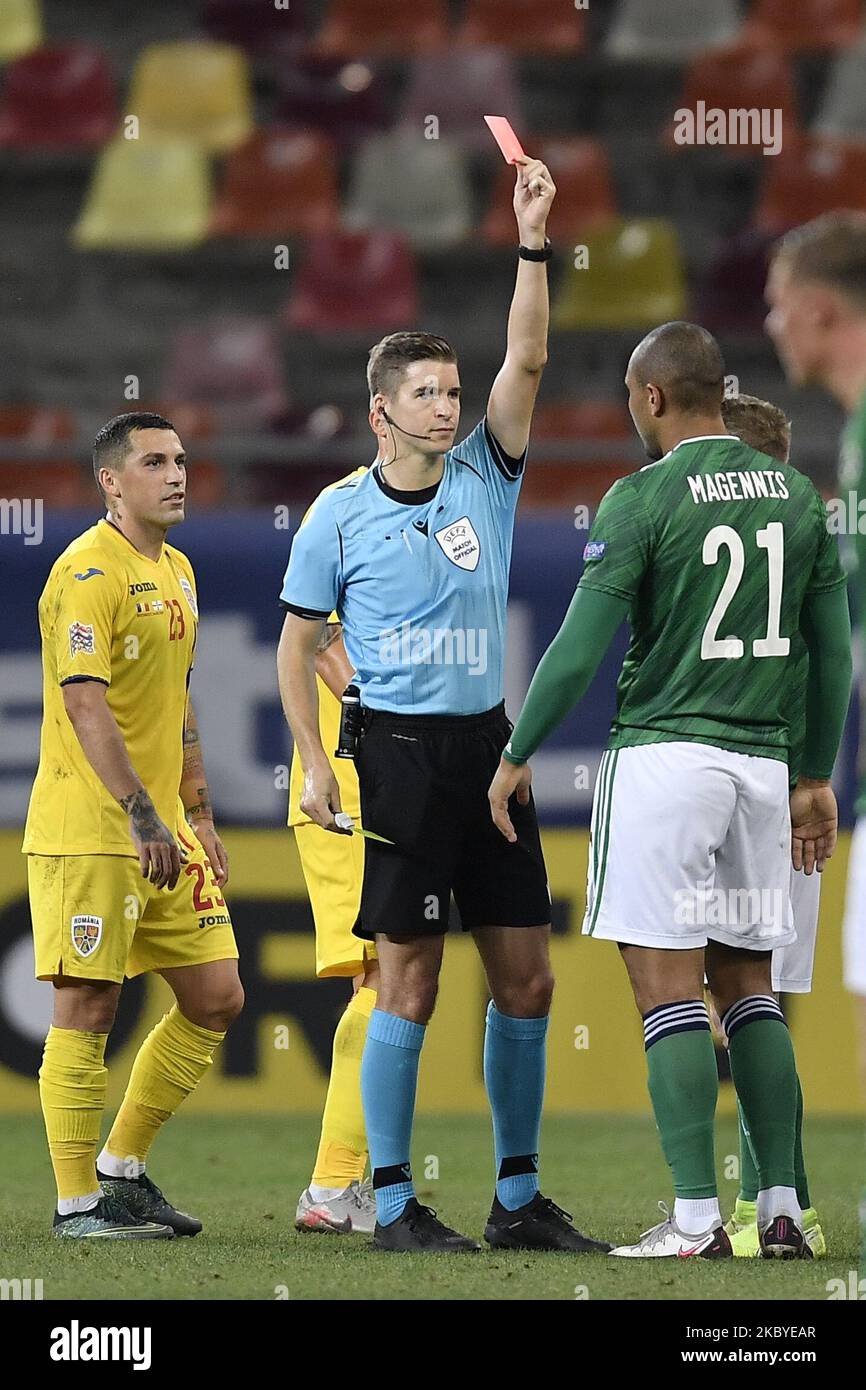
(389, 1076)
(514, 1070)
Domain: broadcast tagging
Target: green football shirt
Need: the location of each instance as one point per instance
(715, 548)
(852, 482)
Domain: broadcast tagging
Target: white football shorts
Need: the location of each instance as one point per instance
(854, 929)
(690, 843)
(793, 965)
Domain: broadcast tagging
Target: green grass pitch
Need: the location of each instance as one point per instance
(242, 1175)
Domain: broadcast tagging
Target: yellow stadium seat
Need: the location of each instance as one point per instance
(631, 276)
(199, 90)
(146, 195)
(20, 28)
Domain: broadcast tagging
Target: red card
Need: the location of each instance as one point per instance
(500, 129)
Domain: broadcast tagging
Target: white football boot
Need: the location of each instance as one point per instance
(666, 1240)
(350, 1212)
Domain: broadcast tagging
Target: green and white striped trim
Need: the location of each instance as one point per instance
(600, 831)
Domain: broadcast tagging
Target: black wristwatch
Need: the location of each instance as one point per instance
(526, 253)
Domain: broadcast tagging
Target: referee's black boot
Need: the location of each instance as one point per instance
(418, 1228)
(539, 1225)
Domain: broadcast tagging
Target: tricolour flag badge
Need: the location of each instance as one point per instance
(86, 933)
(593, 550)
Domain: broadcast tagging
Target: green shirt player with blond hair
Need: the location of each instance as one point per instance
(718, 555)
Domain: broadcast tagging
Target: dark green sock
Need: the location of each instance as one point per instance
(684, 1085)
(799, 1162)
(765, 1077)
(749, 1181)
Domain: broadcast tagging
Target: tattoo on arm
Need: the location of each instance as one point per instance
(141, 809)
(193, 773)
(329, 636)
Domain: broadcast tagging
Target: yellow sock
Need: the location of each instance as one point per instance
(342, 1156)
(72, 1082)
(170, 1063)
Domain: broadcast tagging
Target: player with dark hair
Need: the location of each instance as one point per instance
(816, 291)
(763, 426)
(125, 867)
(717, 555)
(414, 556)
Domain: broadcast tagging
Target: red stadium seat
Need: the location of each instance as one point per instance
(740, 77)
(462, 90)
(278, 183)
(59, 97)
(730, 297)
(585, 194)
(344, 99)
(60, 482)
(233, 366)
(517, 24)
(392, 28)
(584, 480)
(808, 178)
(366, 281)
(807, 26)
(255, 25)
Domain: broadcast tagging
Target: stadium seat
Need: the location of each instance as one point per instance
(279, 182)
(233, 366)
(730, 296)
(345, 100)
(634, 278)
(355, 281)
(842, 112)
(146, 195)
(585, 194)
(582, 480)
(197, 90)
(810, 177)
(462, 91)
(59, 482)
(669, 31)
(804, 27)
(390, 28)
(20, 28)
(741, 78)
(515, 24)
(59, 97)
(254, 25)
(426, 194)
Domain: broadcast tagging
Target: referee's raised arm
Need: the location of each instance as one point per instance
(296, 670)
(512, 397)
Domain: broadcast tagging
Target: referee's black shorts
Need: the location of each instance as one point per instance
(424, 782)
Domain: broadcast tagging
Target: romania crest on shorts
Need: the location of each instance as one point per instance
(86, 933)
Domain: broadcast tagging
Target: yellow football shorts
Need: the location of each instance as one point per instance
(96, 918)
(333, 868)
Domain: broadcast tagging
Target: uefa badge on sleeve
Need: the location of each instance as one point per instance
(189, 596)
(86, 933)
(593, 550)
(81, 639)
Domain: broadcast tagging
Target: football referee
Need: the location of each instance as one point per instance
(414, 556)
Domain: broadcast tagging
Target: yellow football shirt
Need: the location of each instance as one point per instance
(329, 731)
(109, 613)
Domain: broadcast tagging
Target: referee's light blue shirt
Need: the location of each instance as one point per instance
(419, 579)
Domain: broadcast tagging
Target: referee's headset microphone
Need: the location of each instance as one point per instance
(394, 426)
